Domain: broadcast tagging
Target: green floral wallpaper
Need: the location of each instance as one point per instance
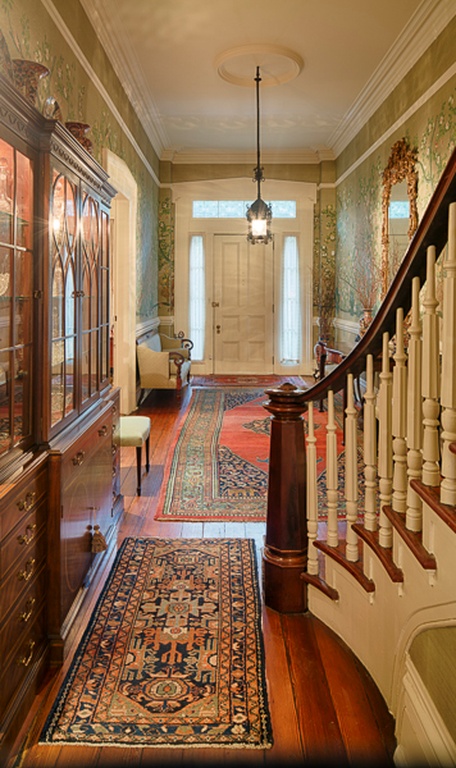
(432, 130)
(324, 269)
(166, 253)
(30, 33)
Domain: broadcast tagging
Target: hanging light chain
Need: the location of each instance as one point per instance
(259, 215)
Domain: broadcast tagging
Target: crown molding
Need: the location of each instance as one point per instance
(426, 24)
(73, 45)
(424, 98)
(128, 73)
(271, 157)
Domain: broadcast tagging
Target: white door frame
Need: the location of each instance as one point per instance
(123, 276)
(305, 194)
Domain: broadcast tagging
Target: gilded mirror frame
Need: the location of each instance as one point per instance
(401, 167)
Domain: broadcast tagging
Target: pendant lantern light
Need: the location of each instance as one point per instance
(259, 215)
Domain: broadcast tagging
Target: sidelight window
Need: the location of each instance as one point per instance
(290, 336)
(197, 297)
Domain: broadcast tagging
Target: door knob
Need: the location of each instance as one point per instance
(217, 328)
(215, 304)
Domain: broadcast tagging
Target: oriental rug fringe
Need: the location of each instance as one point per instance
(218, 466)
(173, 654)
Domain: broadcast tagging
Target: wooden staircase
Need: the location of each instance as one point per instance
(384, 578)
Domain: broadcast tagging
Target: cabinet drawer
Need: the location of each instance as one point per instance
(21, 499)
(23, 657)
(22, 538)
(81, 452)
(24, 570)
(22, 615)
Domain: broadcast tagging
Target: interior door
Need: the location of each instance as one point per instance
(242, 306)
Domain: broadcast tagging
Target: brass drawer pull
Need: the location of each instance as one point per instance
(79, 458)
(103, 431)
(27, 503)
(25, 661)
(26, 538)
(25, 615)
(27, 573)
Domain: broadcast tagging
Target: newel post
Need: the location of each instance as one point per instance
(285, 552)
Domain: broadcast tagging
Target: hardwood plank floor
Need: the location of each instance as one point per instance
(325, 709)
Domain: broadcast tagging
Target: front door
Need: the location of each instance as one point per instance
(242, 306)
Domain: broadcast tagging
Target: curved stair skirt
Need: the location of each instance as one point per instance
(423, 738)
(379, 624)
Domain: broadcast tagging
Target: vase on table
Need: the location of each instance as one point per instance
(27, 76)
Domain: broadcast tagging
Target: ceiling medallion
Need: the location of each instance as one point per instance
(278, 64)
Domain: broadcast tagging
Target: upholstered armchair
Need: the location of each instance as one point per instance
(163, 362)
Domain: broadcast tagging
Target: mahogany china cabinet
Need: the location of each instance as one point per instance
(60, 497)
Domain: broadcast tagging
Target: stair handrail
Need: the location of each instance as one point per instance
(432, 230)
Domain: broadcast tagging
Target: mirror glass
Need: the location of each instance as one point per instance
(398, 225)
(399, 208)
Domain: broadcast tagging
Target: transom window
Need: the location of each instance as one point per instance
(236, 209)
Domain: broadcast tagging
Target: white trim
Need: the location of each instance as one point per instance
(123, 259)
(422, 735)
(304, 193)
(349, 326)
(426, 24)
(68, 37)
(146, 326)
(228, 157)
(404, 117)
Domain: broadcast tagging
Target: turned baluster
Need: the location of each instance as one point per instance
(312, 492)
(399, 419)
(431, 377)
(351, 472)
(414, 413)
(370, 450)
(385, 451)
(448, 385)
(332, 536)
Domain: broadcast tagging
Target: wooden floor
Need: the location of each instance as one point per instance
(325, 709)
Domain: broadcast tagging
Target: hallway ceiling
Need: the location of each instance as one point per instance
(189, 67)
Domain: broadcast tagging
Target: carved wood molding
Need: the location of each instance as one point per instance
(401, 167)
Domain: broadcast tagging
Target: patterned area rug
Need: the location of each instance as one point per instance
(270, 380)
(173, 654)
(218, 468)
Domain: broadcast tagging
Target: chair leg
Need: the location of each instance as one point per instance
(138, 469)
(147, 454)
(142, 396)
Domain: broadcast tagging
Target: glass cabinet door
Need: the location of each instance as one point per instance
(16, 298)
(105, 293)
(90, 259)
(80, 295)
(64, 297)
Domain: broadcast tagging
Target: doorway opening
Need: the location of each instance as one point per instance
(123, 279)
(244, 284)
